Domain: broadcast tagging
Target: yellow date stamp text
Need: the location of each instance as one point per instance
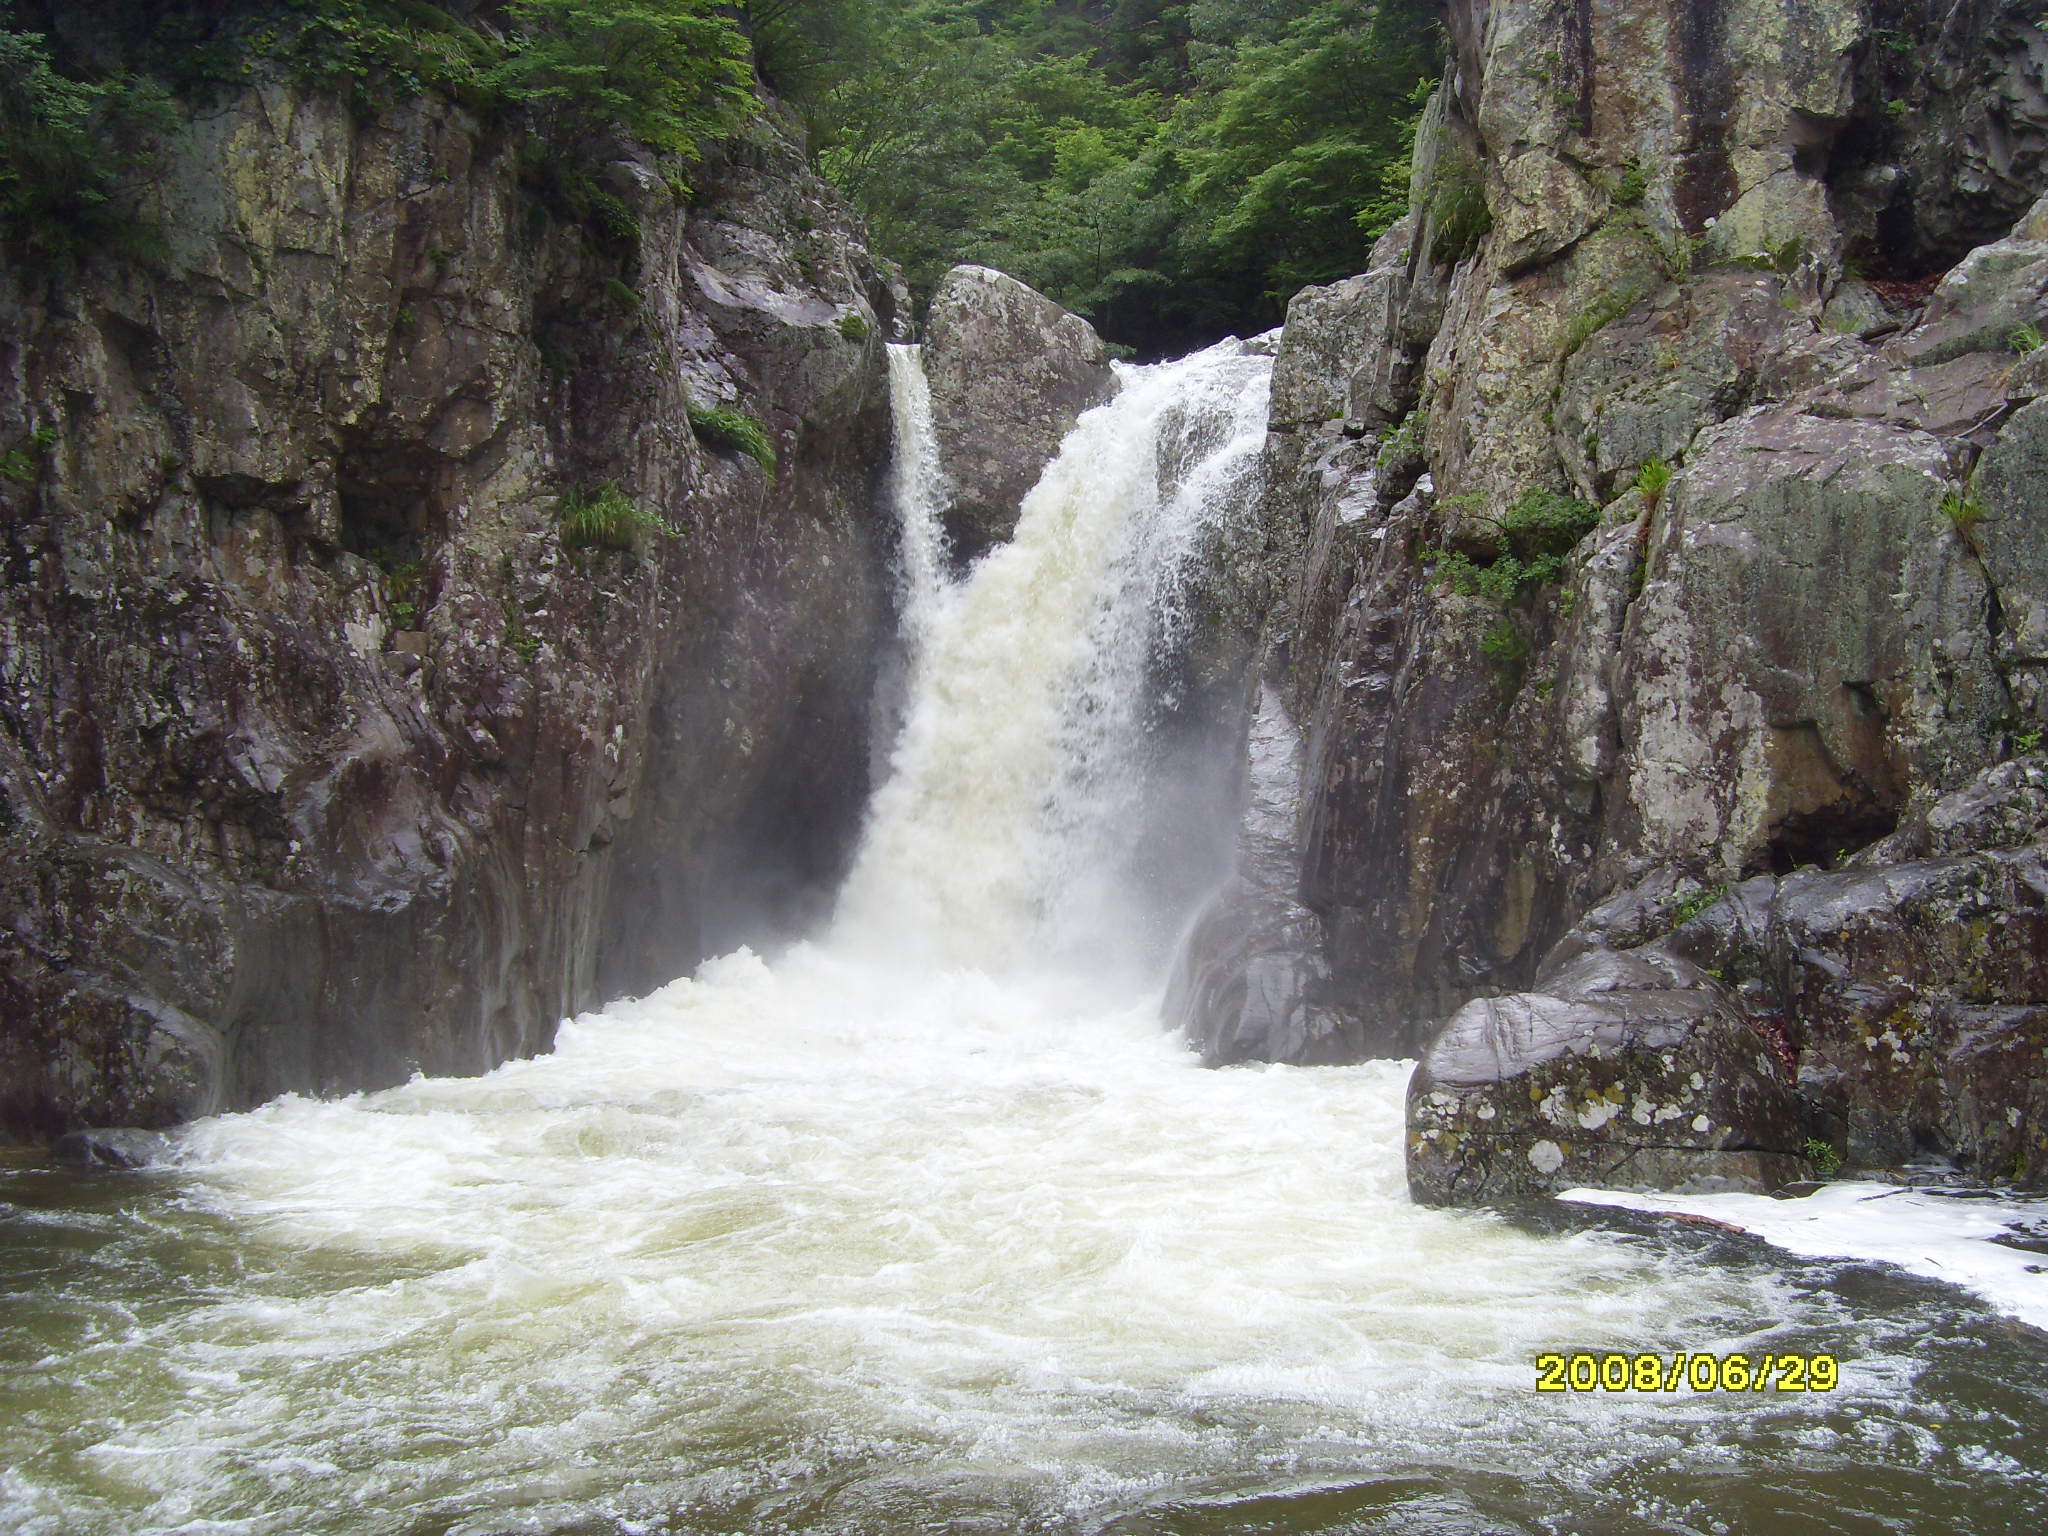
(1584, 1371)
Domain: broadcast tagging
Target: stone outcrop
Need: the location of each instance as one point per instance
(1631, 1070)
(326, 753)
(1010, 371)
(1770, 337)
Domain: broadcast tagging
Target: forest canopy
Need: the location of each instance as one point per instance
(1173, 169)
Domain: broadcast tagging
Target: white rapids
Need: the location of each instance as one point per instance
(923, 1227)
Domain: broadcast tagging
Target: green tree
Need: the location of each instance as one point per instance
(670, 73)
(69, 152)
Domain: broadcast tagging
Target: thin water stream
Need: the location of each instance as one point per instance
(929, 1227)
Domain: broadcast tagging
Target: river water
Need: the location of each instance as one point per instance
(928, 1226)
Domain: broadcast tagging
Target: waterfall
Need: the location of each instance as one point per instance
(1024, 753)
(918, 491)
(891, 1236)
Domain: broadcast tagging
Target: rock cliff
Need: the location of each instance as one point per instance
(389, 667)
(1667, 651)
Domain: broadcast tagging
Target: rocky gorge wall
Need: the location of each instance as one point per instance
(1660, 697)
(326, 753)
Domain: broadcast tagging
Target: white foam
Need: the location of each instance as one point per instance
(1927, 1232)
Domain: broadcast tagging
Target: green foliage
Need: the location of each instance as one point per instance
(1631, 186)
(376, 50)
(2026, 339)
(605, 517)
(1597, 316)
(1677, 252)
(1697, 903)
(1963, 510)
(1651, 481)
(1529, 549)
(1827, 1162)
(1459, 217)
(1546, 522)
(23, 463)
(1505, 644)
(723, 427)
(71, 153)
(853, 327)
(405, 593)
(624, 296)
(572, 75)
(1170, 170)
(669, 73)
(1404, 443)
(2027, 742)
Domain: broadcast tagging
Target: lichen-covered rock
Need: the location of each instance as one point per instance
(324, 755)
(1803, 618)
(1774, 712)
(2012, 539)
(1918, 995)
(1626, 1072)
(1010, 371)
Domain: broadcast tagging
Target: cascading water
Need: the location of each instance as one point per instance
(893, 1237)
(1024, 750)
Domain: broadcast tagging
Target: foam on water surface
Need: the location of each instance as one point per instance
(931, 1227)
(1961, 1238)
(780, 1243)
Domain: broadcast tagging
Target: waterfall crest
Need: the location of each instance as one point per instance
(1023, 753)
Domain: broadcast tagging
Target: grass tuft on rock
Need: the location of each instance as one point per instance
(605, 517)
(722, 427)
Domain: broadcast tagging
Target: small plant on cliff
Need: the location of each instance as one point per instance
(1458, 216)
(1405, 441)
(1601, 313)
(1651, 481)
(1696, 903)
(1505, 645)
(723, 427)
(1963, 510)
(1631, 186)
(1531, 543)
(23, 463)
(1547, 522)
(2027, 743)
(1827, 1162)
(853, 327)
(405, 593)
(2026, 339)
(607, 518)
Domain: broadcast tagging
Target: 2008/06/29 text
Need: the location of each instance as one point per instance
(1583, 1371)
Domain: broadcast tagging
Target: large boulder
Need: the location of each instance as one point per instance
(1010, 371)
(1627, 1071)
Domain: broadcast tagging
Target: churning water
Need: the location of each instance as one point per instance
(930, 1228)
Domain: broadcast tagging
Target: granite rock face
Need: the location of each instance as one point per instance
(1010, 372)
(1767, 334)
(324, 755)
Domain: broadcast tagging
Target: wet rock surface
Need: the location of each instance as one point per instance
(326, 754)
(1010, 371)
(1627, 1071)
(114, 1148)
